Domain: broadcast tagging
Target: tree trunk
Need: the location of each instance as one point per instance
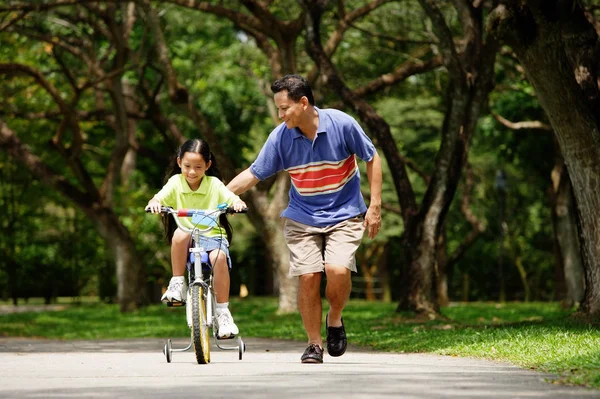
(556, 46)
(369, 262)
(442, 269)
(264, 214)
(384, 275)
(471, 79)
(567, 238)
(131, 288)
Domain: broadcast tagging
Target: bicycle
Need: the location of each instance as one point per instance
(200, 302)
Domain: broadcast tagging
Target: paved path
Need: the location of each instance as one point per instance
(32, 368)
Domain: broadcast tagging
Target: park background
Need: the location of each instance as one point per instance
(486, 116)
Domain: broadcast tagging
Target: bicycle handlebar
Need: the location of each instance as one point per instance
(210, 213)
(191, 212)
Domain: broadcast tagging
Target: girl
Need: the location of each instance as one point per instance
(193, 182)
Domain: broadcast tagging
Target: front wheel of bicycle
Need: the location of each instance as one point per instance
(200, 335)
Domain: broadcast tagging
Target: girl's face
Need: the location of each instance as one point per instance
(193, 167)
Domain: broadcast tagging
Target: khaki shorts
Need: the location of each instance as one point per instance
(313, 247)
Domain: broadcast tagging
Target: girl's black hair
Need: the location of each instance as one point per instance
(201, 147)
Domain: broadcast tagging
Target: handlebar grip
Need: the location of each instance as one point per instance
(163, 209)
(231, 210)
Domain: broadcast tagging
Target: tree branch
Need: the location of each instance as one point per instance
(244, 21)
(444, 35)
(17, 150)
(522, 125)
(478, 227)
(20, 15)
(346, 20)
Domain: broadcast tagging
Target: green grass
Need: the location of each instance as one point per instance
(539, 336)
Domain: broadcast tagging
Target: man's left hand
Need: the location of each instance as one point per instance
(373, 221)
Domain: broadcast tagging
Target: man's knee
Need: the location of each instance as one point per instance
(337, 272)
(310, 281)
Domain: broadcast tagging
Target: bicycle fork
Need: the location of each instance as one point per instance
(200, 257)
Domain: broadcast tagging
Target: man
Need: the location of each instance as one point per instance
(326, 216)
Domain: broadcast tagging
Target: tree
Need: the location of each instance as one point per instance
(84, 72)
(556, 45)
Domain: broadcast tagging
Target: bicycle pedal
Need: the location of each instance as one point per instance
(175, 304)
(226, 338)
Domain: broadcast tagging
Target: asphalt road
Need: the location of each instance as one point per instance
(32, 368)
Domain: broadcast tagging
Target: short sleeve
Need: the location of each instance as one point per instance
(358, 142)
(166, 195)
(269, 160)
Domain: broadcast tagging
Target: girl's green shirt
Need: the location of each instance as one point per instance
(177, 194)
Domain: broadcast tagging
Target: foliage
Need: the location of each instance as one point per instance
(226, 74)
(50, 248)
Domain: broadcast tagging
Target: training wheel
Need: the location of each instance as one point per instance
(241, 347)
(168, 350)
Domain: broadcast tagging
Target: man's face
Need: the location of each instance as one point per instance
(289, 110)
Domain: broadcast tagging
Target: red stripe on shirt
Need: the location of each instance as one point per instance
(323, 177)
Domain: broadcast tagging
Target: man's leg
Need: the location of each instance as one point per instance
(310, 306)
(342, 241)
(337, 291)
(306, 262)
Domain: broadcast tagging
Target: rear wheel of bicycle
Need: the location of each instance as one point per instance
(200, 335)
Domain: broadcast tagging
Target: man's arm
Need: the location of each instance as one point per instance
(246, 180)
(373, 216)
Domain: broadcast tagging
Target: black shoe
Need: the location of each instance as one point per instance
(312, 354)
(336, 339)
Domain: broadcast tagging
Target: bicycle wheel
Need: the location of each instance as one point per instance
(200, 335)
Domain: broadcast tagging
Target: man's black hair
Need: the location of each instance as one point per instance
(296, 87)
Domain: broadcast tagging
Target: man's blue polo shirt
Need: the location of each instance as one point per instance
(324, 172)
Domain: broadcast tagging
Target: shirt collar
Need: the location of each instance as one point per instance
(322, 128)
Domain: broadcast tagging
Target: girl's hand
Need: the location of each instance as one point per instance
(239, 206)
(154, 205)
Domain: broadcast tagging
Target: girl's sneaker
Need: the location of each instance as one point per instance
(226, 326)
(176, 292)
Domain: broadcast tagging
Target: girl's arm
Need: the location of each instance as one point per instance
(165, 195)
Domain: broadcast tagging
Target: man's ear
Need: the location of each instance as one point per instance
(304, 101)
